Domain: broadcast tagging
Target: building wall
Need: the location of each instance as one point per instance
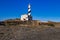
(24, 17)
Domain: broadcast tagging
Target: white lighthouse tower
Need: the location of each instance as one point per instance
(29, 12)
(29, 9)
(27, 17)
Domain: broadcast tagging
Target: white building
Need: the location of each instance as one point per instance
(24, 17)
(28, 16)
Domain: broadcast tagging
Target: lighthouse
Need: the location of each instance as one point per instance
(29, 9)
(27, 17)
(29, 12)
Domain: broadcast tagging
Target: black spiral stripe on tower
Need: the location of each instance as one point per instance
(29, 11)
(28, 8)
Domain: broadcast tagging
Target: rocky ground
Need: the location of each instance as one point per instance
(29, 33)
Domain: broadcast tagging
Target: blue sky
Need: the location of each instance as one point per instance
(43, 10)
